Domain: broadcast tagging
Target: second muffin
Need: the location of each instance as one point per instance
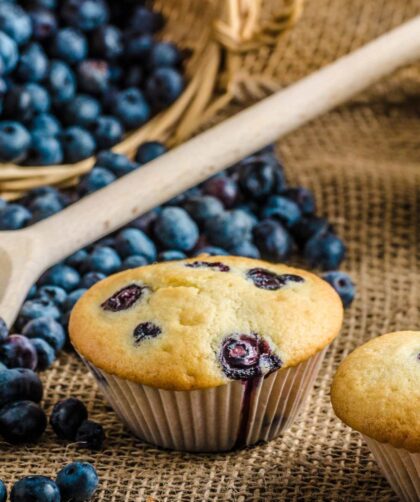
(209, 353)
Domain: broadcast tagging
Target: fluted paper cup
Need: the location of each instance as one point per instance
(400, 467)
(234, 415)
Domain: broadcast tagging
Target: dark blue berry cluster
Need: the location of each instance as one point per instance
(77, 481)
(22, 420)
(75, 75)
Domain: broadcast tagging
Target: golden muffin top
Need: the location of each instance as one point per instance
(201, 322)
(376, 389)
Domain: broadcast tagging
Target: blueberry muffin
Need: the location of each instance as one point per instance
(376, 391)
(178, 347)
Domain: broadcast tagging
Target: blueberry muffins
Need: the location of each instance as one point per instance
(376, 391)
(209, 353)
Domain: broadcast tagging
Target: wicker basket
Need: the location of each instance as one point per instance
(235, 28)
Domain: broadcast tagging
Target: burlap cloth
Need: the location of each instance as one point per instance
(362, 161)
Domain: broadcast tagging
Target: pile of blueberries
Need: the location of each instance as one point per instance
(75, 482)
(75, 75)
(22, 419)
(248, 210)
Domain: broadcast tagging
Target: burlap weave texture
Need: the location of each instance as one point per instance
(362, 161)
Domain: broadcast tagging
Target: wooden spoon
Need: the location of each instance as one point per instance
(26, 253)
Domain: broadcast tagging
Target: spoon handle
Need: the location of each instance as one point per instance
(223, 145)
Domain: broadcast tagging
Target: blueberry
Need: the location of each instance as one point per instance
(14, 217)
(149, 151)
(45, 151)
(265, 279)
(163, 87)
(117, 163)
(343, 284)
(19, 385)
(4, 330)
(146, 221)
(223, 188)
(212, 265)
(309, 226)
(22, 422)
(144, 20)
(44, 23)
(3, 204)
(77, 482)
(246, 248)
(45, 125)
(303, 197)
(91, 278)
(131, 108)
(211, 250)
(108, 131)
(230, 228)
(98, 178)
(63, 276)
(39, 307)
(138, 46)
(164, 54)
(272, 240)
(45, 205)
(69, 45)
(9, 54)
(104, 259)
(33, 64)
(3, 492)
(78, 144)
(171, 255)
(18, 352)
(133, 262)
(82, 110)
(73, 298)
(14, 141)
(67, 416)
(86, 15)
(325, 250)
(35, 489)
(175, 229)
(203, 207)
(40, 99)
(77, 258)
(144, 331)
(60, 82)
(17, 104)
(15, 22)
(131, 241)
(124, 298)
(3, 367)
(93, 76)
(282, 209)
(45, 353)
(246, 356)
(107, 43)
(90, 435)
(260, 177)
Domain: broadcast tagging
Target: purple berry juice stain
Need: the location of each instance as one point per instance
(250, 359)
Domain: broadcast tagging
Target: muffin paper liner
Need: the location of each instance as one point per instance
(400, 467)
(221, 418)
